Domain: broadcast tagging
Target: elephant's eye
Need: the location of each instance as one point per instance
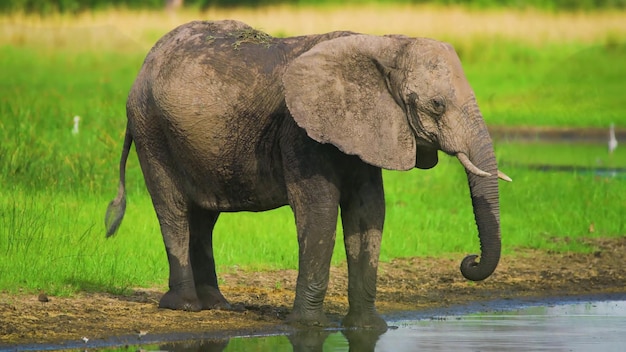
(438, 105)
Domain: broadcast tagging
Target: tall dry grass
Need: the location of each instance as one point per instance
(125, 29)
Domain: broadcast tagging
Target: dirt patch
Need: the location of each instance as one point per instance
(404, 284)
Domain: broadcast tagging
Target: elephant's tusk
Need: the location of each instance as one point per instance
(503, 176)
(471, 167)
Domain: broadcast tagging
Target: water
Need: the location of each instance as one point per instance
(616, 172)
(597, 326)
(583, 325)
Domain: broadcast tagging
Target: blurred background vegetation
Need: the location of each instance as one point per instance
(546, 64)
(75, 6)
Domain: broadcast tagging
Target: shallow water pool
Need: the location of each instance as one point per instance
(591, 326)
(586, 326)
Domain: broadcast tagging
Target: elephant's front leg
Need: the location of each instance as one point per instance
(315, 207)
(362, 215)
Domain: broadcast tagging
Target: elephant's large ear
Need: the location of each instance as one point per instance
(339, 93)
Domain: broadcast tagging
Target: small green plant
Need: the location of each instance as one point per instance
(252, 36)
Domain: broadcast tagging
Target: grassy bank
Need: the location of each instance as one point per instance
(53, 240)
(527, 68)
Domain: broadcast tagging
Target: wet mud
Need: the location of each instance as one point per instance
(264, 299)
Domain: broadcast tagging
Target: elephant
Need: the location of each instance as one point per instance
(226, 118)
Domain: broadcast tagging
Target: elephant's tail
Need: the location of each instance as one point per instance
(117, 207)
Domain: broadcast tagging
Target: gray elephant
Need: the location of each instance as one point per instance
(226, 118)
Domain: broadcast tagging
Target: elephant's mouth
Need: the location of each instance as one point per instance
(469, 166)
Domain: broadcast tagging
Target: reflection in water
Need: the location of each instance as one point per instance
(597, 326)
(313, 340)
(362, 340)
(308, 340)
(211, 345)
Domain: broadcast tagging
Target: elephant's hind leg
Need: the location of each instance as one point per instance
(362, 215)
(171, 208)
(182, 292)
(201, 224)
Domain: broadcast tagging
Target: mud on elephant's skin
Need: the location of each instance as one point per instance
(226, 118)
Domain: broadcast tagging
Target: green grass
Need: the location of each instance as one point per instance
(554, 85)
(429, 212)
(56, 186)
(53, 241)
(56, 242)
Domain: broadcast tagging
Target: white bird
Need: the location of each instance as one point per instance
(612, 139)
(76, 121)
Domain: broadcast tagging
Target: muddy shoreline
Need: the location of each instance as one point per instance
(410, 284)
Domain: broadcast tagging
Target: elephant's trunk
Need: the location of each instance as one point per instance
(484, 193)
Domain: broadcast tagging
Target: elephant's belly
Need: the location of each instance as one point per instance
(227, 190)
(236, 200)
(229, 164)
(242, 202)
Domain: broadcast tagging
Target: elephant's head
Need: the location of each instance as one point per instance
(395, 101)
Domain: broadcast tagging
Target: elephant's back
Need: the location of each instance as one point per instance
(213, 68)
(225, 68)
(197, 30)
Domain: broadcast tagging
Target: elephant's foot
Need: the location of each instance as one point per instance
(308, 318)
(212, 298)
(365, 320)
(178, 300)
